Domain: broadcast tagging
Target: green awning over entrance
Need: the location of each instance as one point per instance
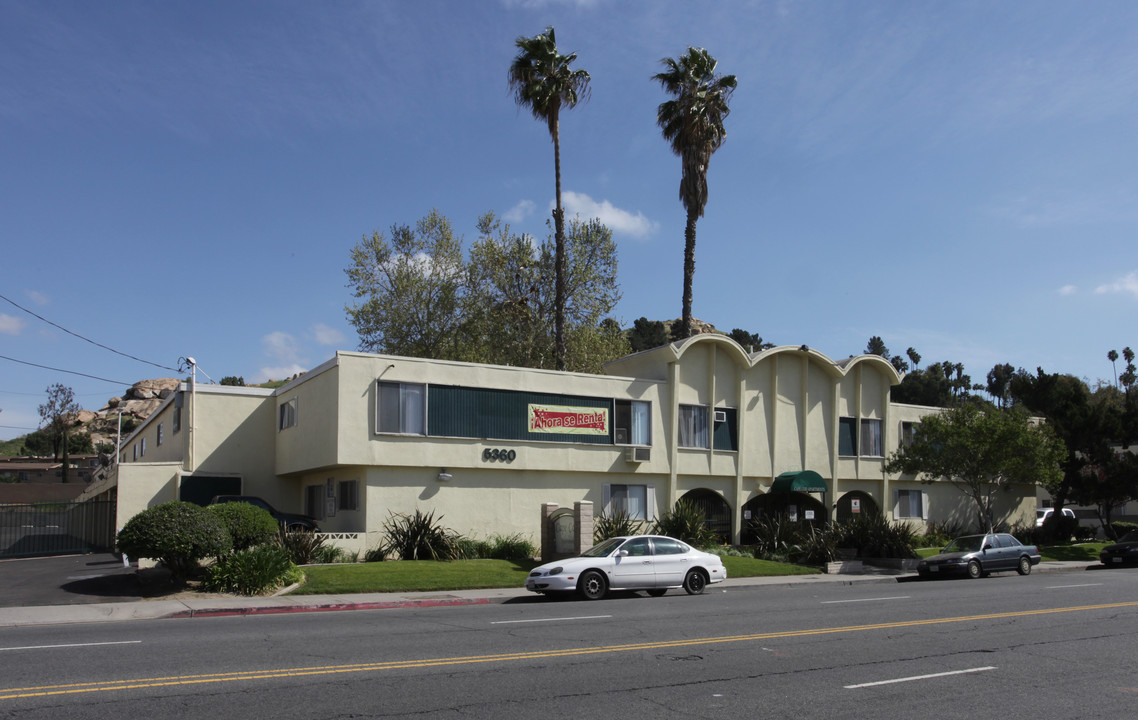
(799, 481)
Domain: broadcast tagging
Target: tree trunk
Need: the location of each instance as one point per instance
(559, 249)
(689, 271)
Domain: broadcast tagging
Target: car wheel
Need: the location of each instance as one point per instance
(694, 582)
(1024, 566)
(593, 585)
(657, 592)
(974, 569)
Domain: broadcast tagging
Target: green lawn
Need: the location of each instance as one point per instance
(428, 575)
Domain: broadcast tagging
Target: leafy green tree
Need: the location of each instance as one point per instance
(56, 417)
(1112, 356)
(999, 383)
(876, 346)
(692, 123)
(233, 380)
(410, 284)
(924, 387)
(647, 334)
(750, 340)
(542, 80)
(981, 452)
(1128, 377)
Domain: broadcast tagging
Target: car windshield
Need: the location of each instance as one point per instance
(970, 543)
(604, 548)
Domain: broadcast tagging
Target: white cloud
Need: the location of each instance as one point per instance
(1126, 285)
(10, 325)
(1068, 290)
(282, 347)
(520, 211)
(37, 297)
(279, 373)
(326, 335)
(619, 221)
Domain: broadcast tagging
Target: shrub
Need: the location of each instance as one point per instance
(375, 554)
(252, 571)
(177, 534)
(248, 525)
(1120, 528)
(774, 536)
(420, 537)
(939, 534)
(688, 523)
(814, 547)
(302, 547)
(876, 537)
(330, 554)
(618, 524)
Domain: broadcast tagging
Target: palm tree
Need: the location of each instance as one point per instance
(693, 123)
(542, 80)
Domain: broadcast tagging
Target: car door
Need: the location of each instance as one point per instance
(1000, 553)
(672, 561)
(633, 565)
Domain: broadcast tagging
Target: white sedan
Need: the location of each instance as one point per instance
(640, 562)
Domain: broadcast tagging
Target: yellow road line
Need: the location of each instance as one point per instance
(175, 680)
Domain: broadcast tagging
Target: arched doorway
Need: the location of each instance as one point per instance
(795, 507)
(855, 504)
(716, 511)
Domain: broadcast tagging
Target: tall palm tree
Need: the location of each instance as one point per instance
(693, 123)
(542, 80)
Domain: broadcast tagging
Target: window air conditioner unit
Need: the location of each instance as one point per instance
(638, 454)
(720, 416)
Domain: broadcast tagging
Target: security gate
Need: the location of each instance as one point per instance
(56, 528)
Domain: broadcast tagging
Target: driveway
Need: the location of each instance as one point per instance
(68, 580)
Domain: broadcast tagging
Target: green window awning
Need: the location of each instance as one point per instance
(799, 481)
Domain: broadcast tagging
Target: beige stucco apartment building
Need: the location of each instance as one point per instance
(490, 448)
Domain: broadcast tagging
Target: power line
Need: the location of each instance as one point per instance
(116, 352)
(69, 372)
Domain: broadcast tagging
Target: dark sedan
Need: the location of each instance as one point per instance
(1123, 552)
(978, 555)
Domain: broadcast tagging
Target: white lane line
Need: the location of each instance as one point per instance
(70, 645)
(1060, 587)
(583, 617)
(920, 677)
(835, 602)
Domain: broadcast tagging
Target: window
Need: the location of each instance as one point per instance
(177, 418)
(142, 447)
(871, 440)
(847, 436)
(637, 501)
(908, 432)
(134, 452)
(288, 414)
(632, 423)
(911, 504)
(159, 434)
(668, 546)
(693, 426)
(402, 408)
(348, 495)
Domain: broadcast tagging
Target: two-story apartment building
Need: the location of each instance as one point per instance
(486, 447)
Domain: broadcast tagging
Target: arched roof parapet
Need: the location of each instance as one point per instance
(834, 368)
(722, 342)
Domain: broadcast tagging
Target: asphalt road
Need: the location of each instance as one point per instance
(68, 580)
(1042, 646)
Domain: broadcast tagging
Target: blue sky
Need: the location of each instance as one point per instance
(186, 179)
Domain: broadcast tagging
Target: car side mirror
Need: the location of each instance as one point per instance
(622, 553)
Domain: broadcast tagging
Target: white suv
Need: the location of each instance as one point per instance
(1043, 513)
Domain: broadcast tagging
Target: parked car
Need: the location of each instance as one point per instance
(290, 521)
(1123, 552)
(978, 555)
(641, 562)
(1042, 514)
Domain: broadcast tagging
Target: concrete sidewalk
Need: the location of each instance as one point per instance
(215, 606)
